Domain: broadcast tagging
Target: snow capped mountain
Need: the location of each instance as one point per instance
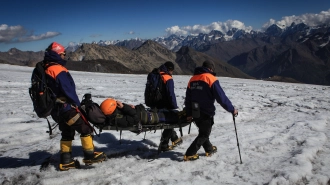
(73, 47)
(274, 30)
(175, 42)
(170, 42)
(106, 42)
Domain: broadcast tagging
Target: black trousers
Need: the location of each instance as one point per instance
(167, 135)
(204, 124)
(68, 131)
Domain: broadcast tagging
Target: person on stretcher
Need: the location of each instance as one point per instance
(125, 115)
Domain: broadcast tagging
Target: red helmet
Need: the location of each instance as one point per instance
(108, 106)
(58, 48)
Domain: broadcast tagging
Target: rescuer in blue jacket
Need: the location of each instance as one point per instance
(202, 91)
(66, 111)
(168, 102)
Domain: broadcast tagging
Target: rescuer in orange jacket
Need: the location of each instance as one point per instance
(168, 102)
(202, 91)
(66, 111)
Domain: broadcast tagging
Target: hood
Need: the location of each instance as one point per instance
(163, 68)
(51, 56)
(201, 70)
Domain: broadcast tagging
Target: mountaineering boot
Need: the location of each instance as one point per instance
(66, 161)
(177, 142)
(210, 153)
(190, 158)
(165, 147)
(90, 156)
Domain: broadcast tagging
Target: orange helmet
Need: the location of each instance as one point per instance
(108, 106)
(58, 48)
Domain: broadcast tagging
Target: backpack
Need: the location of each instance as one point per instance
(42, 96)
(92, 111)
(154, 87)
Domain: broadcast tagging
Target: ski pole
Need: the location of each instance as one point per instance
(237, 139)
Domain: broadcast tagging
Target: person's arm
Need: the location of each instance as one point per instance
(187, 104)
(126, 109)
(170, 93)
(221, 97)
(68, 87)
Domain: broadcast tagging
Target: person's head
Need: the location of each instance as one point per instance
(57, 48)
(209, 64)
(108, 106)
(169, 66)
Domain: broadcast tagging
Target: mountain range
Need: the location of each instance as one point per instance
(298, 53)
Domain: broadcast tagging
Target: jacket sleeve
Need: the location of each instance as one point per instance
(68, 87)
(128, 110)
(221, 97)
(187, 102)
(170, 93)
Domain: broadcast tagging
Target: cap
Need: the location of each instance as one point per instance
(208, 64)
(169, 65)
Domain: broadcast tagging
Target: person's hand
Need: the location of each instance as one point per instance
(189, 119)
(235, 113)
(119, 104)
(132, 106)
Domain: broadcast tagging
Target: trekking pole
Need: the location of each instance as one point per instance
(189, 128)
(237, 139)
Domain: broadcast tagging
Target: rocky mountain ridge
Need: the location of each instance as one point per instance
(298, 52)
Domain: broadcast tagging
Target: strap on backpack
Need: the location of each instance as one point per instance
(50, 128)
(85, 120)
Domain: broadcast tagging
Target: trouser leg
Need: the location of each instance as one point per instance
(174, 136)
(72, 119)
(73, 122)
(205, 127)
(166, 135)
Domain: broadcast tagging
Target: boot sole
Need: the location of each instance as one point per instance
(210, 154)
(177, 144)
(194, 159)
(76, 163)
(90, 162)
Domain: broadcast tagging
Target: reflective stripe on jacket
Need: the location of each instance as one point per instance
(204, 88)
(59, 79)
(169, 98)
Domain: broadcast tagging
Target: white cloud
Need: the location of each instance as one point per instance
(196, 29)
(14, 34)
(309, 19)
(38, 37)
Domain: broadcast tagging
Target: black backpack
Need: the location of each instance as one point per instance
(154, 88)
(42, 96)
(92, 110)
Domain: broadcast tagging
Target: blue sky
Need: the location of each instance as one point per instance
(32, 25)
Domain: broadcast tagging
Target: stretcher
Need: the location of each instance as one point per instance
(154, 127)
(145, 128)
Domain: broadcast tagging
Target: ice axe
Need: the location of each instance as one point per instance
(239, 152)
